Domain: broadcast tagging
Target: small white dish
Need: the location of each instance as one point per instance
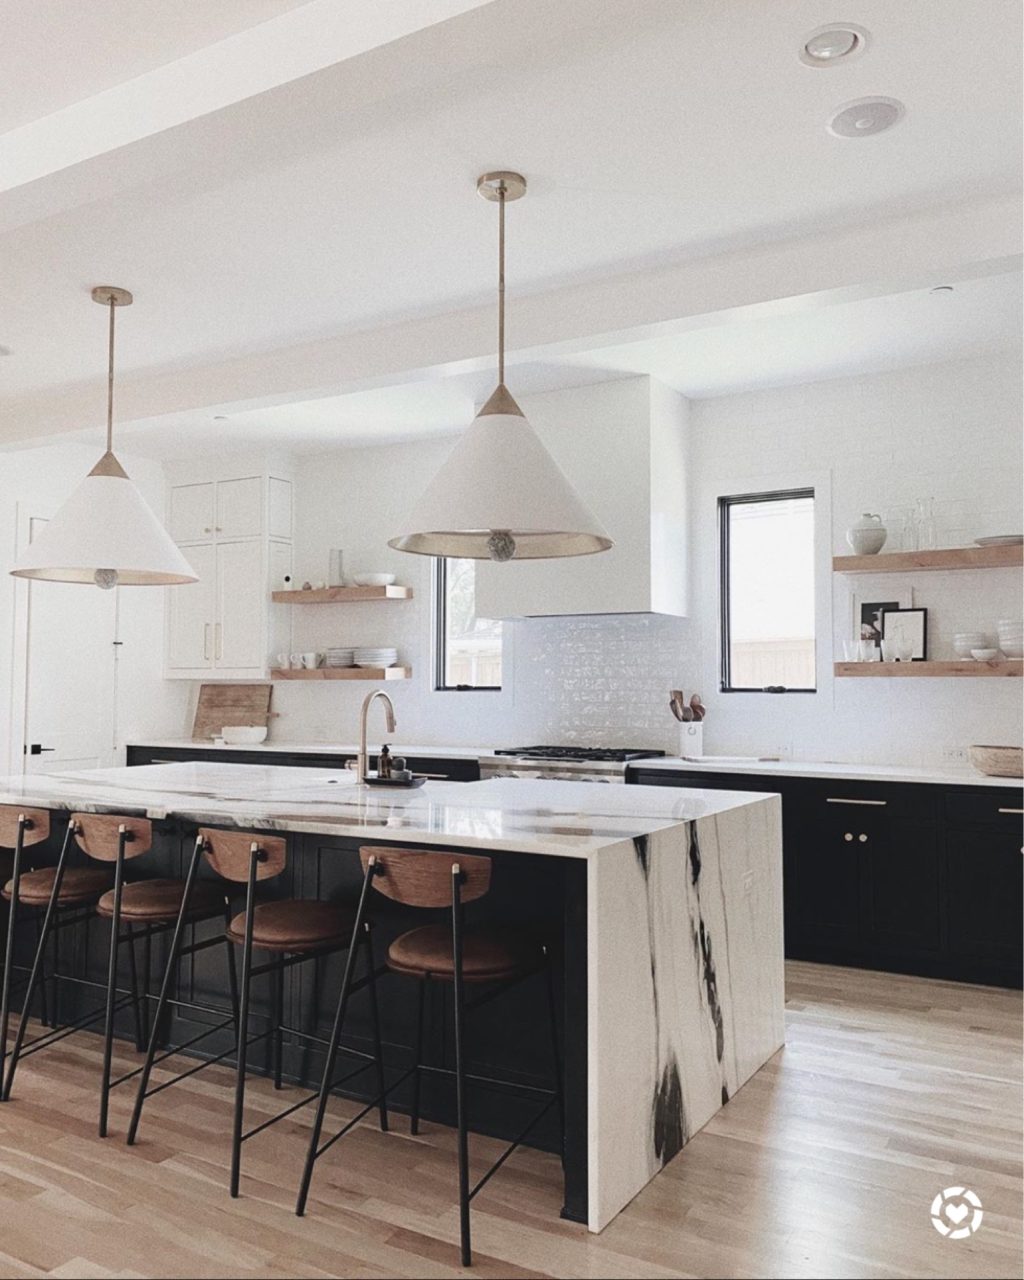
(1001, 540)
(373, 579)
(984, 655)
(244, 735)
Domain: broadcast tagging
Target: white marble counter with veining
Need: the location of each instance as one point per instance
(938, 775)
(567, 819)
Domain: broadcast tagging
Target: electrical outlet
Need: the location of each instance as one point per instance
(954, 755)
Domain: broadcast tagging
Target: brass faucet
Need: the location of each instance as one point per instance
(363, 760)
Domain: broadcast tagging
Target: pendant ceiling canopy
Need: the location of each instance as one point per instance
(106, 533)
(500, 495)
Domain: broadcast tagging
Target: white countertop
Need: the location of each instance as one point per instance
(567, 819)
(946, 775)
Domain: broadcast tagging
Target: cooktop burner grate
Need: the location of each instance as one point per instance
(611, 754)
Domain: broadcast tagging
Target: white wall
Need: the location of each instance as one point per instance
(949, 431)
(38, 481)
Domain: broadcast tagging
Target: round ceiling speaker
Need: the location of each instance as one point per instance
(864, 117)
(837, 42)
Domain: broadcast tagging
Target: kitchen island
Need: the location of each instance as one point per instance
(666, 908)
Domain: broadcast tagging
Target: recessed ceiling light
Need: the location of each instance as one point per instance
(865, 116)
(837, 42)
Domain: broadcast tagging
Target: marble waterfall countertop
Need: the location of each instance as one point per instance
(568, 819)
(940, 775)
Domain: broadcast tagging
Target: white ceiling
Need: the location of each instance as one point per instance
(652, 132)
(55, 52)
(815, 340)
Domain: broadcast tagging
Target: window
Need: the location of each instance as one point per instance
(468, 647)
(767, 565)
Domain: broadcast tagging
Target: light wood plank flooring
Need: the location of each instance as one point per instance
(825, 1164)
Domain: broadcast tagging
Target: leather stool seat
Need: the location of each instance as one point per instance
(80, 885)
(295, 925)
(159, 901)
(487, 954)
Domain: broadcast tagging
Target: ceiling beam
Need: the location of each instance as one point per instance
(914, 251)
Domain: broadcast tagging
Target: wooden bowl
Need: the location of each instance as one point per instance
(998, 762)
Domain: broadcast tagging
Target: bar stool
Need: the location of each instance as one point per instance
(72, 895)
(20, 829)
(292, 930)
(447, 953)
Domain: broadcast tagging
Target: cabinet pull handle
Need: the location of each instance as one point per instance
(848, 835)
(1011, 810)
(218, 645)
(843, 800)
(206, 640)
(207, 529)
(862, 838)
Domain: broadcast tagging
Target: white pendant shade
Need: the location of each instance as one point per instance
(499, 478)
(105, 524)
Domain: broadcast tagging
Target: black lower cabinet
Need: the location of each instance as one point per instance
(901, 877)
(448, 768)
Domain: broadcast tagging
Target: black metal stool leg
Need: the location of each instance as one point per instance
(332, 1048)
(147, 981)
(243, 1026)
(414, 1122)
(12, 921)
(44, 1004)
(137, 1000)
(37, 965)
(232, 968)
(165, 990)
(108, 1021)
(460, 1066)
(375, 1016)
(277, 1014)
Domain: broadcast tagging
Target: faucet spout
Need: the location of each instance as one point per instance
(363, 759)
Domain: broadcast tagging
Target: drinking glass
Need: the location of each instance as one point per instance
(927, 535)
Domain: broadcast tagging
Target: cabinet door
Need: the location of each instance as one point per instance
(823, 863)
(241, 606)
(192, 512)
(903, 890)
(239, 508)
(190, 610)
(984, 867)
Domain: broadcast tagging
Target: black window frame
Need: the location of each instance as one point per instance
(725, 502)
(440, 583)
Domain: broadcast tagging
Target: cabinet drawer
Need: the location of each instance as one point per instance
(853, 801)
(999, 806)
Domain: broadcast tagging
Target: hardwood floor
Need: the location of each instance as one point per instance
(825, 1164)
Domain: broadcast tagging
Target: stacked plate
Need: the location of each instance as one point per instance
(1011, 637)
(965, 641)
(339, 658)
(375, 657)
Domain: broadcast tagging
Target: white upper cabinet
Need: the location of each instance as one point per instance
(240, 507)
(192, 512)
(623, 447)
(235, 531)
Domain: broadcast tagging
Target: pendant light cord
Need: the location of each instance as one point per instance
(110, 382)
(502, 189)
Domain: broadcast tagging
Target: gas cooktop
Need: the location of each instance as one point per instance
(613, 754)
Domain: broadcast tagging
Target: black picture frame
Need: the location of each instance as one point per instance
(903, 613)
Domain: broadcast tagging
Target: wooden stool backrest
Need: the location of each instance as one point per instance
(418, 878)
(97, 835)
(37, 828)
(229, 853)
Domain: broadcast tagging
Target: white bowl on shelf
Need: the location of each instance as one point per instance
(373, 579)
(965, 641)
(984, 655)
(244, 735)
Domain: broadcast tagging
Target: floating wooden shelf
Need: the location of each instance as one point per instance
(920, 561)
(342, 595)
(1000, 667)
(342, 673)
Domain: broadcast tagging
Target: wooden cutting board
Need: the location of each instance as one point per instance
(221, 704)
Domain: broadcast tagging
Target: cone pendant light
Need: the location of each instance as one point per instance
(106, 533)
(500, 495)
